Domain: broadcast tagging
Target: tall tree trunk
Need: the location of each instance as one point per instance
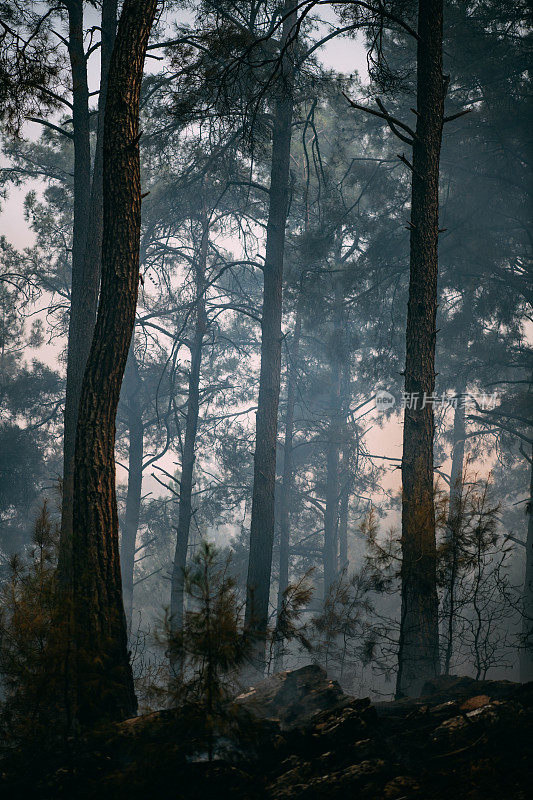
(458, 452)
(262, 520)
(453, 522)
(103, 677)
(346, 483)
(82, 197)
(87, 241)
(331, 515)
(131, 390)
(526, 652)
(287, 481)
(337, 420)
(347, 467)
(189, 445)
(418, 656)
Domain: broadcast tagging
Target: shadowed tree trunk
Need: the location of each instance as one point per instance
(87, 240)
(287, 481)
(262, 519)
(103, 682)
(458, 451)
(82, 198)
(131, 391)
(189, 446)
(453, 522)
(526, 652)
(418, 656)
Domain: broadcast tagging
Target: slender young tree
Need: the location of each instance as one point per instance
(287, 481)
(526, 651)
(334, 441)
(103, 683)
(454, 512)
(347, 468)
(191, 428)
(132, 388)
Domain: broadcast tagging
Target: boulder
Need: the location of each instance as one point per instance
(293, 697)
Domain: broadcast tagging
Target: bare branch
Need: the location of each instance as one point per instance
(51, 126)
(391, 121)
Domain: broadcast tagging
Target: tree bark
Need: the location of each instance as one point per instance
(103, 682)
(287, 481)
(189, 446)
(418, 656)
(87, 242)
(262, 520)
(82, 196)
(526, 652)
(132, 389)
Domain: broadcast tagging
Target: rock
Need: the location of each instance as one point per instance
(401, 788)
(473, 703)
(357, 780)
(452, 732)
(293, 696)
(454, 687)
(445, 710)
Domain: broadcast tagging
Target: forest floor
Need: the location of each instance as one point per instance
(297, 735)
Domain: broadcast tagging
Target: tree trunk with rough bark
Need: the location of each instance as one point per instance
(102, 680)
(87, 242)
(418, 656)
(262, 520)
(82, 198)
(131, 393)
(189, 446)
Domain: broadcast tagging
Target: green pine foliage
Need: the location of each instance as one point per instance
(32, 710)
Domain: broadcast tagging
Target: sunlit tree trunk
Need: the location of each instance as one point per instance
(418, 656)
(103, 682)
(189, 446)
(262, 519)
(131, 393)
(87, 240)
